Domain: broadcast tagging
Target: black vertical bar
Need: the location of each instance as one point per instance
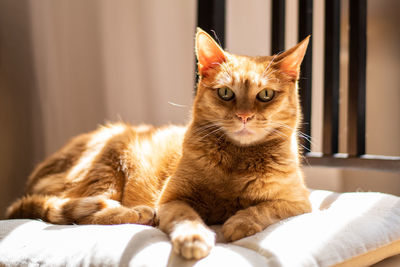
(211, 17)
(357, 72)
(305, 82)
(278, 26)
(331, 77)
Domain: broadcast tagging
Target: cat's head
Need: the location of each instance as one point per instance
(247, 98)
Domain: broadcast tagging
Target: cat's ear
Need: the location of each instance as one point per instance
(209, 53)
(289, 62)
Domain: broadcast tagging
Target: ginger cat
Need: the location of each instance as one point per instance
(237, 162)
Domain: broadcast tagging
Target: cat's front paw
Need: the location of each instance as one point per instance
(146, 215)
(238, 227)
(192, 240)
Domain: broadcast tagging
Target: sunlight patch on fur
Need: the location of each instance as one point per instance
(160, 195)
(142, 128)
(293, 146)
(94, 146)
(54, 206)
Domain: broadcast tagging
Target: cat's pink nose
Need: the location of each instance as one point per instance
(245, 117)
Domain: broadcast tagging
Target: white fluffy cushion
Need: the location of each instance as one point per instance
(349, 229)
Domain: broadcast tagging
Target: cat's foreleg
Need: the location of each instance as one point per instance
(256, 218)
(189, 235)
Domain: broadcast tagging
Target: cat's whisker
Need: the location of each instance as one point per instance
(214, 122)
(204, 129)
(210, 133)
(216, 37)
(280, 134)
(307, 137)
(222, 135)
(304, 147)
(227, 73)
(272, 79)
(300, 133)
(269, 73)
(281, 125)
(303, 134)
(270, 63)
(304, 158)
(176, 105)
(278, 125)
(276, 131)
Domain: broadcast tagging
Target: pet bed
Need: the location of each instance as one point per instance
(348, 229)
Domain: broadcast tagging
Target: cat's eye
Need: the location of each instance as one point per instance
(266, 95)
(226, 94)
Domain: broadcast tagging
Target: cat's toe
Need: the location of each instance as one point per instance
(192, 241)
(238, 228)
(194, 249)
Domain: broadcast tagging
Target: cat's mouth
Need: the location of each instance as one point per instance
(244, 132)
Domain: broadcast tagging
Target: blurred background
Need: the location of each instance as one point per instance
(67, 66)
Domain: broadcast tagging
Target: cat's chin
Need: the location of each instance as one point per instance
(246, 137)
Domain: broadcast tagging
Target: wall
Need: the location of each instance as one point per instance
(67, 66)
(383, 96)
(20, 118)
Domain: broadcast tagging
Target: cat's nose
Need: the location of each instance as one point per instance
(245, 117)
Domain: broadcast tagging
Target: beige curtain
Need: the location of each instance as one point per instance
(67, 66)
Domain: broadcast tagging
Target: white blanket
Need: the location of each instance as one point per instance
(341, 227)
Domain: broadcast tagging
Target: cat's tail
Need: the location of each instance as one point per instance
(84, 210)
(53, 209)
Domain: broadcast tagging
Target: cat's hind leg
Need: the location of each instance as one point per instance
(84, 210)
(98, 210)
